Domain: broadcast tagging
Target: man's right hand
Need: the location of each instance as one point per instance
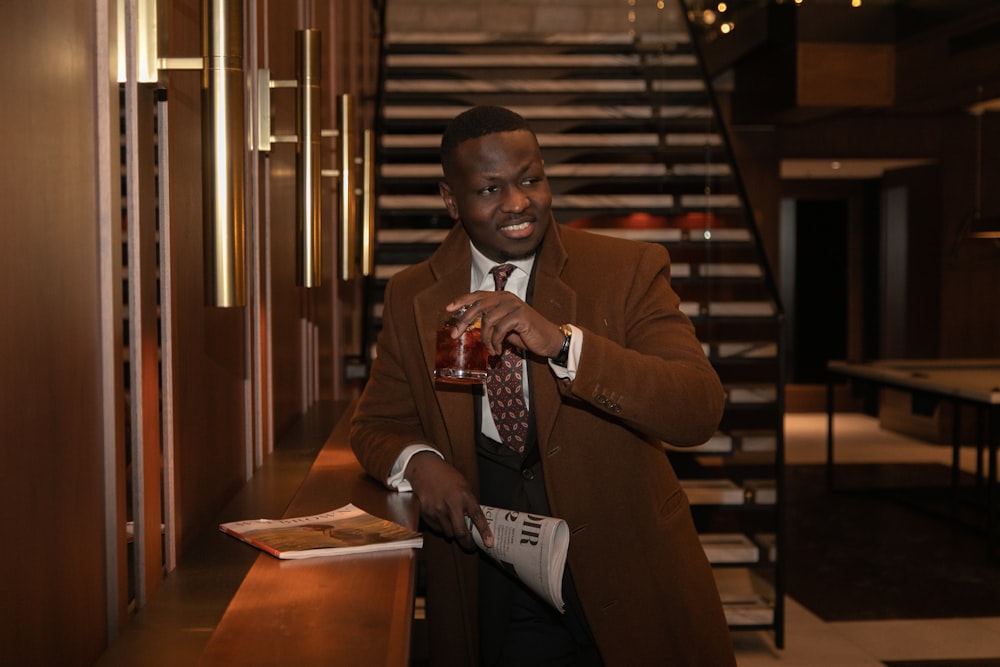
(446, 499)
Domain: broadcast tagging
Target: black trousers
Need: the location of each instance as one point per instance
(516, 627)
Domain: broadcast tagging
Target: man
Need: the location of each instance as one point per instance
(609, 368)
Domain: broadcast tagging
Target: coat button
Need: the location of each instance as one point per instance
(527, 474)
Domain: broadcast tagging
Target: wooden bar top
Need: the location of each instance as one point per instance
(343, 610)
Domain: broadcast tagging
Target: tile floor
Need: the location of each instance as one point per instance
(811, 642)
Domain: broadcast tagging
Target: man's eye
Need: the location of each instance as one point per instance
(489, 189)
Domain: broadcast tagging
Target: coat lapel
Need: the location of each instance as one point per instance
(451, 266)
(556, 300)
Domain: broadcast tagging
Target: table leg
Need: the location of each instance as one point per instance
(992, 429)
(956, 447)
(829, 434)
(982, 441)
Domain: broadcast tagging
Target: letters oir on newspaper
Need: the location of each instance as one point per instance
(531, 547)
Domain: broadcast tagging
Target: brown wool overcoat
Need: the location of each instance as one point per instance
(641, 574)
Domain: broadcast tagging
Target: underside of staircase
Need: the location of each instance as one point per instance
(633, 148)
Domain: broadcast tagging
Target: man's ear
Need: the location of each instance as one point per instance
(449, 200)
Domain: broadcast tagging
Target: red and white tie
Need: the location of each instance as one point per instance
(504, 386)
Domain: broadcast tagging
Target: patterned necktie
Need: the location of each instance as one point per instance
(504, 387)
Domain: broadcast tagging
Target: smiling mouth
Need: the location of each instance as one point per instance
(518, 227)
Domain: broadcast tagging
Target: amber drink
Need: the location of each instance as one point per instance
(462, 359)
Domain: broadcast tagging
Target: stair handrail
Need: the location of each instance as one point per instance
(734, 165)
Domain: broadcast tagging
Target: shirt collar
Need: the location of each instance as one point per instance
(481, 265)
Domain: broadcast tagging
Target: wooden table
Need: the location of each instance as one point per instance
(973, 382)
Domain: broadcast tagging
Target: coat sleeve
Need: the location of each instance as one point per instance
(641, 361)
(386, 418)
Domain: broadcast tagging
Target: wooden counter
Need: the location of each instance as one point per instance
(230, 604)
(344, 610)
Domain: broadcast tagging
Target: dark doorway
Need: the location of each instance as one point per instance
(820, 307)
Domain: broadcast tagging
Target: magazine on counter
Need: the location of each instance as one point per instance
(529, 546)
(346, 530)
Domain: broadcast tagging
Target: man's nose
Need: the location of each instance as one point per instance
(515, 201)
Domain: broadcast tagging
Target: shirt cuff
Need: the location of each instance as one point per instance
(396, 480)
(572, 361)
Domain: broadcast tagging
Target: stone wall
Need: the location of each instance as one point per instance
(532, 16)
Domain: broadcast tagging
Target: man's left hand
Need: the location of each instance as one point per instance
(505, 317)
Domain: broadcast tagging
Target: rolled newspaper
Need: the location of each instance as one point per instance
(532, 547)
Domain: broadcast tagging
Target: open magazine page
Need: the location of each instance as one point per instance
(346, 530)
(531, 547)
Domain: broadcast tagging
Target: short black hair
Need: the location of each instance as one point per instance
(477, 122)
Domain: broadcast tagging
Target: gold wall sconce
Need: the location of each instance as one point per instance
(349, 192)
(309, 170)
(308, 246)
(368, 205)
(345, 116)
(223, 136)
(224, 146)
(223, 153)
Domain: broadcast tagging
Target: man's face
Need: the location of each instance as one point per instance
(500, 194)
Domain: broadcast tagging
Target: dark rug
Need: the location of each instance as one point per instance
(885, 544)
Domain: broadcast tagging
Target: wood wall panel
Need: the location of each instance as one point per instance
(52, 595)
(845, 74)
(288, 302)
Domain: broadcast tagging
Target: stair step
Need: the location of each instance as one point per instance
(541, 112)
(574, 140)
(432, 171)
(478, 39)
(441, 61)
(600, 202)
(519, 85)
(748, 393)
(661, 235)
(581, 203)
(746, 350)
(646, 42)
(730, 309)
(729, 548)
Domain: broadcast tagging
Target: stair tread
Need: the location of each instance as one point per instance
(574, 140)
(541, 112)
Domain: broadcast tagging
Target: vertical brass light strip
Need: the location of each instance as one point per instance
(223, 147)
(308, 226)
(347, 217)
(368, 206)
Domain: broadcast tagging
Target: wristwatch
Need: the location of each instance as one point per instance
(562, 358)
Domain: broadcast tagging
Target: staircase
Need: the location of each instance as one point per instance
(633, 149)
